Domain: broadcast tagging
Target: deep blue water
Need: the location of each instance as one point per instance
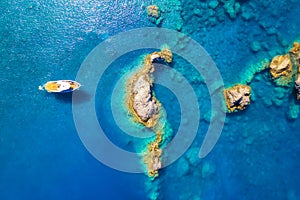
(41, 155)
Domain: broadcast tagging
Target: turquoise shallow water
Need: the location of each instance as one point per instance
(41, 155)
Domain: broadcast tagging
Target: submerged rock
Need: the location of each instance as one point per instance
(237, 97)
(183, 167)
(153, 12)
(255, 46)
(208, 169)
(293, 111)
(232, 8)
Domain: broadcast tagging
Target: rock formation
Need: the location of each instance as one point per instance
(153, 11)
(237, 97)
(281, 66)
(152, 157)
(145, 108)
(295, 51)
(141, 102)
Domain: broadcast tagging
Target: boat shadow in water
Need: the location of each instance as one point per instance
(81, 97)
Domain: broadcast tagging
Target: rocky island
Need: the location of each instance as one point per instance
(145, 108)
(281, 69)
(237, 97)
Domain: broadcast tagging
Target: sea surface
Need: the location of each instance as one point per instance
(41, 153)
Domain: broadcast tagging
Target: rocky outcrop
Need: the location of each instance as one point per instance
(295, 51)
(152, 158)
(144, 104)
(153, 11)
(237, 97)
(281, 66)
(141, 102)
(145, 107)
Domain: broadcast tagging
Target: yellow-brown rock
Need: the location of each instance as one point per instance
(153, 11)
(281, 66)
(296, 48)
(140, 100)
(152, 157)
(237, 97)
(167, 55)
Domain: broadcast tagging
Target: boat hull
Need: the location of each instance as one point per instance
(60, 86)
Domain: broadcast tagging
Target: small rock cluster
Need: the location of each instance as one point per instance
(154, 15)
(284, 69)
(153, 11)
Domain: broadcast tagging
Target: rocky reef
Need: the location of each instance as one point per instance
(152, 157)
(166, 14)
(146, 109)
(284, 69)
(154, 14)
(281, 69)
(153, 11)
(237, 97)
